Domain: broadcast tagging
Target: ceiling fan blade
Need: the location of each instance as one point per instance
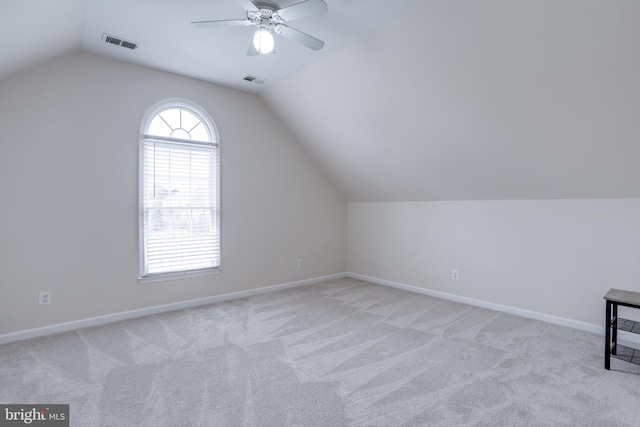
(300, 10)
(225, 23)
(247, 4)
(252, 51)
(302, 38)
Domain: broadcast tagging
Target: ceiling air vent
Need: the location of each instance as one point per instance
(119, 41)
(128, 45)
(253, 79)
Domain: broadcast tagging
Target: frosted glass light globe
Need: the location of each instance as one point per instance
(263, 40)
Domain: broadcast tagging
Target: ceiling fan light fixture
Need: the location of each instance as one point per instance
(263, 40)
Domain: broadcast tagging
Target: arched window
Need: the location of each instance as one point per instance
(179, 196)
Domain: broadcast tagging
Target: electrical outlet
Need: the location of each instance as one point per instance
(300, 263)
(455, 274)
(45, 298)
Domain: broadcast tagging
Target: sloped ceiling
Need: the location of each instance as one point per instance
(37, 30)
(218, 55)
(468, 100)
(33, 31)
(464, 100)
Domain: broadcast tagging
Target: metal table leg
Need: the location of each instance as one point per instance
(607, 339)
(614, 328)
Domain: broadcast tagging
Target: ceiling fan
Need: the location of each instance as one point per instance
(269, 17)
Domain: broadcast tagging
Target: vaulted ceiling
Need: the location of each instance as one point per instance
(162, 29)
(467, 99)
(409, 100)
(36, 30)
(33, 31)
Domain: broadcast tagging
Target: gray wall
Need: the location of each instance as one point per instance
(69, 173)
(555, 257)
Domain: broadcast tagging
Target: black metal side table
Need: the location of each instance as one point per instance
(614, 298)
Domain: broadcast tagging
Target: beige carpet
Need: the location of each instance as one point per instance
(339, 353)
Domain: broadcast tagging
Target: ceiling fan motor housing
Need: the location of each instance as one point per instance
(264, 17)
(267, 5)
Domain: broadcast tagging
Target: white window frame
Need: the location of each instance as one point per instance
(144, 136)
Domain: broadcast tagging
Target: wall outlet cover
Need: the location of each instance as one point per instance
(44, 298)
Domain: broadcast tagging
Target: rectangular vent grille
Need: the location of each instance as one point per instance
(253, 79)
(128, 45)
(113, 40)
(119, 41)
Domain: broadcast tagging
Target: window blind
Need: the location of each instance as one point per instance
(180, 206)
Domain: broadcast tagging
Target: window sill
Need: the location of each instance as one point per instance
(164, 277)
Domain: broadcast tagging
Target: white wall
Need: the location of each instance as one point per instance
(69, 174)
(555, 257)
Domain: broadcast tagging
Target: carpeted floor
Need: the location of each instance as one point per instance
(338, 353)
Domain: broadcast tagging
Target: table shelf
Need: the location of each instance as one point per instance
(628, 354)
(629, 326)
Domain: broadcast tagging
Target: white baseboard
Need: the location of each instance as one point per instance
(117, 317)
(562, 321)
